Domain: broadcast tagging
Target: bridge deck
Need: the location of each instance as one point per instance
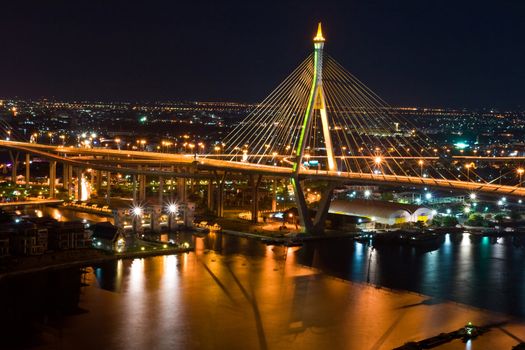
(117, 160)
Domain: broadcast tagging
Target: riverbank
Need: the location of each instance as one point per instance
(288, 238)
(275, 231)
(75, 258)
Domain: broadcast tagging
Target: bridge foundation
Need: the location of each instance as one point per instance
(304, 216)
(324, 206)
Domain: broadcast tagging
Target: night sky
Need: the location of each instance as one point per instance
(448, 53)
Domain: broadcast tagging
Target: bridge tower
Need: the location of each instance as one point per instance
(316, 102)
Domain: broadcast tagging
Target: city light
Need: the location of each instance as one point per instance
(472, 196)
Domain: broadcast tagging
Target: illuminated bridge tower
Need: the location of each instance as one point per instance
(316, 102)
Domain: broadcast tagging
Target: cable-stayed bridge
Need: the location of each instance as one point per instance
(320, 123)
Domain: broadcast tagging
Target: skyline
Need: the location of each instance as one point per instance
(129, 53)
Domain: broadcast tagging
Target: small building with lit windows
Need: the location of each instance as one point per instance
(107, 236)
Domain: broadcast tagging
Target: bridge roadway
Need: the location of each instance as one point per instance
(77, 157)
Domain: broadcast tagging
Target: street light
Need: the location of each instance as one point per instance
(468, 166)
(137, 211)
(421, 162)
(171, 208)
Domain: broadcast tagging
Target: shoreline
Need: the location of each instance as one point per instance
(92, 260)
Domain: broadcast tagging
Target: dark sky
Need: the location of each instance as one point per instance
(452, 53)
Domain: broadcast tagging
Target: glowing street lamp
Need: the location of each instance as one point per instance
(171, 208)
(137, 211)
(468, 166)
(378, 160)
(421, 162)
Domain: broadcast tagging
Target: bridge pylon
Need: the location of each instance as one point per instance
(316, 102)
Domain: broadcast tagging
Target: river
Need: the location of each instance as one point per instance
(237, 293)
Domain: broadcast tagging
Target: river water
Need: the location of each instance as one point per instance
(236, 293)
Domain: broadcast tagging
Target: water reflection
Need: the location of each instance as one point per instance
(233, 286)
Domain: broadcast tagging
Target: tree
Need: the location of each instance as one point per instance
(515, 216)
(475, 220)
(450, 221)
(437, 221)
(499, 218)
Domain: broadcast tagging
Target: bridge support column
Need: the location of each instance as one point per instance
(92, 175)
(98, 181)
(28, 169)
(142, 188)
(161, 191)
(52, 178)
(255, 181)
(14, 165)
(134, 189)
(156, 211)
(304, 216)
(322, 209)
(79, 184)
(210, 194)
(108, 186)
(220, 193)
(65, 182)
(69, 177)
(181, 189)
(274, 194)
